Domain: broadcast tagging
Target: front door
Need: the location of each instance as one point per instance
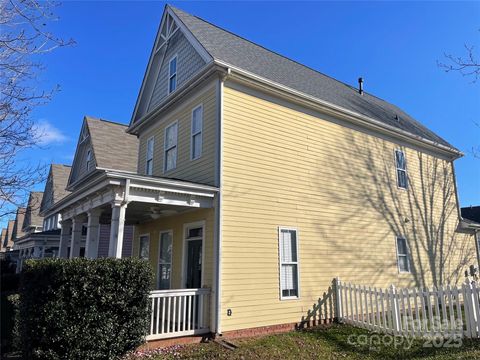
(194, 264)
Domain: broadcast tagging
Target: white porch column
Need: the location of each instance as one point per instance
(64, 239)
(91, 242)
(116, 229)
(77, 223)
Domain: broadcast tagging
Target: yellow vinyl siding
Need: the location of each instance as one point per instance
(176, 224)
(337, 186)
(201, 170)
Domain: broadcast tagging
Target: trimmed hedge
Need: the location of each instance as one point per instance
(83, 309)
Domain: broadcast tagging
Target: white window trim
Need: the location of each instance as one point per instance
(165, 147)
(171, 75)
(170, 231)
(408, 255)
(280, 253)
(186, 227)
(152, 138)
(192, 134)
(397, 168)
(139, 245)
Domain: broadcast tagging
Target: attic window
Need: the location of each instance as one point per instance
(89, 160)
(172, 75)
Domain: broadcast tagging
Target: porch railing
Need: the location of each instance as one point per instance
(179, 312)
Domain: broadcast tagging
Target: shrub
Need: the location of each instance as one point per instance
(83, 309)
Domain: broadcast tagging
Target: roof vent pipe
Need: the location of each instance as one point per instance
(360, 85)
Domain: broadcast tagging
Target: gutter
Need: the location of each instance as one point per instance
(328, 107)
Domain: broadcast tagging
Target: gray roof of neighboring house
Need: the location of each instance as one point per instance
(471, 213)
(8, 237)
(236, 51)
(2, 238)
(113, 148)
(32, 216)
(60, 174)
(19, 218)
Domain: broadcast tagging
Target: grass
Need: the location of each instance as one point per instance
(319, 343)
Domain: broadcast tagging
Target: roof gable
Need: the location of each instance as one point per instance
(18, 225)
(103, 144)
(8, 237)
(235, 51)
(32, 218)
(55, 186)
(172, 38)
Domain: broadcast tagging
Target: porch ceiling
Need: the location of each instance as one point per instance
(138, 212)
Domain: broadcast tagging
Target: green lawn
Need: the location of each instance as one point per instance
(321, 343)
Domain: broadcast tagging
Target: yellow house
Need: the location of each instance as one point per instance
(253, 181)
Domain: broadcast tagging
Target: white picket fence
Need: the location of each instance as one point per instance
(443, 311)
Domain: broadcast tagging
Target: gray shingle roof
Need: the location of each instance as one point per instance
(232, 49)
(113, 148)
(18, 226)
(8, 242)
(32, 216)
(60, 174)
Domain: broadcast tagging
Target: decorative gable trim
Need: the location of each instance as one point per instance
(169, 26)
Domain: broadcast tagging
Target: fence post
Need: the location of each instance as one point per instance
(395, 312)
(338, 300)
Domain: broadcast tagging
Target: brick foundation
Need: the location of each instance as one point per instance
(161, 343)
(235, 334)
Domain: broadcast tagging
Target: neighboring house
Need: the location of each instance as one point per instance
(2, 238)
(8, 241)
(103, 147)
(253, 181)
(18, 224)
(42, 235)
(471, 224)
(55, 190)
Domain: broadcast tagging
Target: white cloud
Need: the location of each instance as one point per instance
(48, 134)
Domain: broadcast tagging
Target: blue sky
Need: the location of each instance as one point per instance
(394, 46)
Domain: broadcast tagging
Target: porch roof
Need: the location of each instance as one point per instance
(109, 186)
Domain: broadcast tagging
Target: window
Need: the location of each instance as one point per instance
(170, 160)
(149, 154)
(172, 75)
(144, 247)
(402, 255)
(288, 248)
(401, 166)
(165, 261)
(197, 124)
(89, 159)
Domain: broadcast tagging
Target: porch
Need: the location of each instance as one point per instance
(180, 312)
(173, 226)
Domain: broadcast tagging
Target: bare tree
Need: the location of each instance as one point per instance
(24, 37)
(426, 213)
(467, 65)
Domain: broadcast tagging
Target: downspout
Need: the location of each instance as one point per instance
(218, 213)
